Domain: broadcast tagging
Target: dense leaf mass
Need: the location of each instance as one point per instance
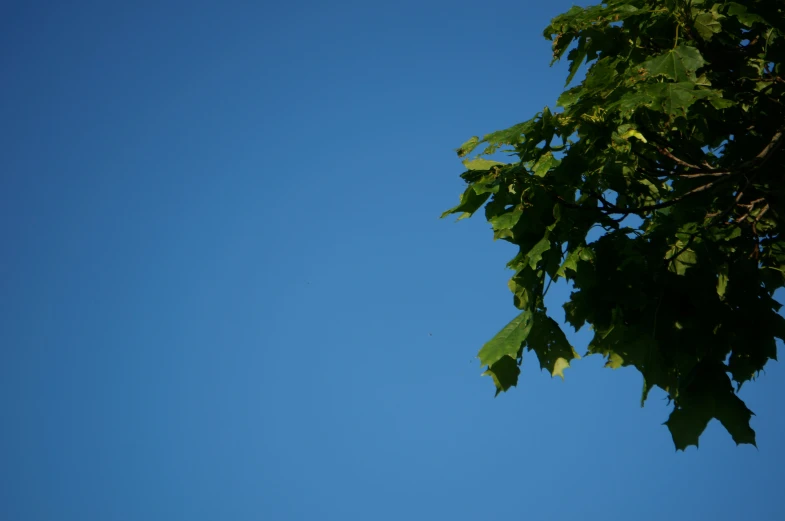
(658, 191)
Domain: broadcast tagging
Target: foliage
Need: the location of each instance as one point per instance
(669, 155)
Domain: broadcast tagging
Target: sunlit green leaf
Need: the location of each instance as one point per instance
(680, 259)
(467, 147)
(508, 341)
(507, 220)
(535, 254)
(480, 164)
(470, 203)
(722, 280)
(545, 163)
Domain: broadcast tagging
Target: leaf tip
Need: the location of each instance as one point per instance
(467, 147)
(559, 366)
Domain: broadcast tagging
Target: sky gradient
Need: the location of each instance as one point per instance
(227, 294)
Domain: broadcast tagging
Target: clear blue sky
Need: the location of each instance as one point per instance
(227, 295)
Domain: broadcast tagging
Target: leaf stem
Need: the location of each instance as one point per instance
(550, 279)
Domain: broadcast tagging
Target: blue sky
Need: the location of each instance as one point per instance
(226, 292)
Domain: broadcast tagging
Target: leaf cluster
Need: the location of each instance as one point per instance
(657, 189)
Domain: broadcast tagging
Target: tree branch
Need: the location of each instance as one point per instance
(665, 204)
(766, 153)
(667, 153)
(723, 175)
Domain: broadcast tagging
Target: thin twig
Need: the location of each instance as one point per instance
(550, 279)
(671, 202)
(667, 153)
(750, 207)
(705, 174)
(758, 218)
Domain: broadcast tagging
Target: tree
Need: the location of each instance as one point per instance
(658, 193)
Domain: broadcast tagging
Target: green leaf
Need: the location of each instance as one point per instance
(632, 100)
(520, 294)
(507, 342)
(720, 103)
(633, 133)
(486, 184)
(674, 98)
(571, 262)
(614, 361)
(544, 164)
(525, 286)
(535, 254)
(504, 373)
(470, 203)
(569, 97)
(680, 259)
(678, 64)
(740, 12)
(577, 310)
(547, 340)
(510, 136)
(707, 24)
(467, 147)
(709, 394)
(576, 58)
(722, 280)
(734, 415)
(480, 164)
(686, 426)
(507, 220)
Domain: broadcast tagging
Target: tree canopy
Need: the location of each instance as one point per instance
(657, 190)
